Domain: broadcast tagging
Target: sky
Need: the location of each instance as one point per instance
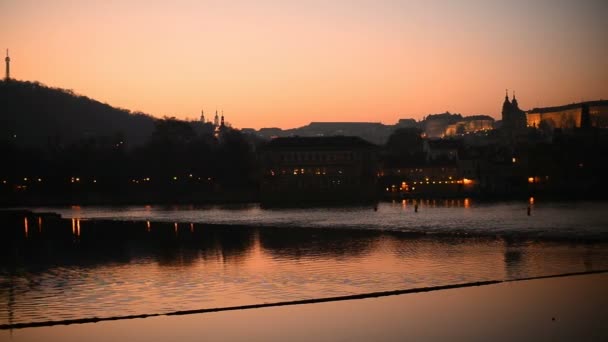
(286, 63)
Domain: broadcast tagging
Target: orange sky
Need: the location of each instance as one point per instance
(286, 63)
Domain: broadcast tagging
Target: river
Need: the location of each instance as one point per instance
(119, 261)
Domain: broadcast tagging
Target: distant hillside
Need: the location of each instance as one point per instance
(34, 114)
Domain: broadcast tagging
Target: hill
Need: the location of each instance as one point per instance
(32, 114)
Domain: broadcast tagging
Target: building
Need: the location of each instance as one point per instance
(441, 149)
(435, 125)
(422, 178)
(471, 124)
(304, 169)
(575, 115)
(513, 118)
(406, 123)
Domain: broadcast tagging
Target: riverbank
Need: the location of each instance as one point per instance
(192, 196)
(557, 309)
(530, 219)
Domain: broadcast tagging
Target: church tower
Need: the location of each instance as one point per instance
(8, 66)
(513, 118)
(514, 101)
(222, 124)
(506, 110)
(216, 120)
(202, 116)
(518, 116)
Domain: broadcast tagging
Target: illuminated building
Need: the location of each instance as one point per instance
(575, 115)
(407, 179)
(318, 169)
(470, 125)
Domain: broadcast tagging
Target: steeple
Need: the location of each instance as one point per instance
(506, 109)
(506, 105)
(514, 101)
(8, 66)
(222, 124)
(216, 119)
(202, 116)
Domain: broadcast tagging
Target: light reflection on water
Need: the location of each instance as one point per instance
(75, 268)
(552, 219)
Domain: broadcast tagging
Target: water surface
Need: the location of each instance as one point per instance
(166, 259)
(567, 219)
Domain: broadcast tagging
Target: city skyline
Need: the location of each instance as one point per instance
(272, 64)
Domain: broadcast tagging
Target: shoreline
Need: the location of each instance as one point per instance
(294, 302)
(562, 308)
(231, 198)
(15, 216)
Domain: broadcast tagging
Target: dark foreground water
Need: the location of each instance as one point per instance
(104, 262)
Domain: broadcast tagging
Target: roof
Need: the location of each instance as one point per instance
(343, 124)
(568, 106)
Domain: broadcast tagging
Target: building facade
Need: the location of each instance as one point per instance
(576, 115)
(303, 169)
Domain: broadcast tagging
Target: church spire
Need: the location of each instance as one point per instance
(506, 109)
(202, 116)
(507, 103)
(514, 101)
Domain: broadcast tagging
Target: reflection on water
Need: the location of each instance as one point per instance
(578, 220)
(25, 228)
(84, 268)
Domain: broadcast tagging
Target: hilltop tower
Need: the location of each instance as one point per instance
(216, 120)
(8, 66)
(222, 124)
(202, 116)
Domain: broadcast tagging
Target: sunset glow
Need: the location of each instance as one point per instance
(287, 63)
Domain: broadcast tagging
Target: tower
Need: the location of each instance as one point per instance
(8, 66)
(513, 118)
(506, 110)
(518, 116)
(216, 120)
(202, 116)
(222, 124)
(514, 101)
